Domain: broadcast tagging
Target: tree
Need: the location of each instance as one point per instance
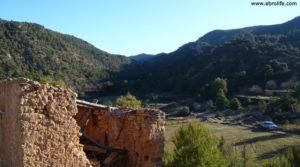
(195, 147)
(268, 70)
(279, 67)
(222, 102)
(288, 103)
(235, 104)
(262, 105)
(127, 101)
(218, 84)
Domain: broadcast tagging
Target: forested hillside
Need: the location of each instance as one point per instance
(30, 50)
(253, 58)
(269, 59)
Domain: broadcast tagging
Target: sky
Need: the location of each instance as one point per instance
(131, 27)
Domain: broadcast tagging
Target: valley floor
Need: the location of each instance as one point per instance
(261, 145)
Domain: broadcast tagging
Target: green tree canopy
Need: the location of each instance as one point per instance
(219, 83)
(222, 102)
(262, 105)
(195, 147)
(127, 101)
(235, 104)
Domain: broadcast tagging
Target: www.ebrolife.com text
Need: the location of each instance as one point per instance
(274, 3)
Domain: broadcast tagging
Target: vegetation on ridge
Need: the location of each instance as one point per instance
(30, 50)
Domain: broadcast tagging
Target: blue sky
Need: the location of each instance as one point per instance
(130, 27)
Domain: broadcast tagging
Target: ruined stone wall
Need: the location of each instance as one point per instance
(10, 126)
(141, 132)
(36, 126)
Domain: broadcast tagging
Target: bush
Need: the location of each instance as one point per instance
(210, 105)
(285, 103)
(195, 147)
(183, 111)
(52, 80)
(235, 104)
(228, 152)
(262, 105)
(290, 159)
(293, 156)
(246, 158)
(127, 101)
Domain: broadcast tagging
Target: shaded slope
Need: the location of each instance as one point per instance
(264, 53)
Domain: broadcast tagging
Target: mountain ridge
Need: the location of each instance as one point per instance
(218, 36)
(33, 51)
(247, 55)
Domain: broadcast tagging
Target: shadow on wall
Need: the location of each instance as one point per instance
(120, 136)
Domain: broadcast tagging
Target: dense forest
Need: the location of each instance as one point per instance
(267, 57)
(30, 50)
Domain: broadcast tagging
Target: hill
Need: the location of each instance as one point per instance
(259, 57)
(30, 50)
(220, 36)
(142, 57)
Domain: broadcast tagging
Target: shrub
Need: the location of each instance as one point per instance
(290, 159)
(195, 147)
(235, 104)
(210, 105)
(52, 80)
(262, 105)
(127, 101)
(183, 111)
(228, 152)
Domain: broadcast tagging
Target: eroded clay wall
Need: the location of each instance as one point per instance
(141, 132)
(37, 127)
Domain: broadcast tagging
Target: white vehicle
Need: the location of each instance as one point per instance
(269, 125)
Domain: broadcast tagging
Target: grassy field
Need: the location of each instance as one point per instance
(260, 145)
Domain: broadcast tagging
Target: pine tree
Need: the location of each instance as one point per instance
(222, 102)
(195, 147)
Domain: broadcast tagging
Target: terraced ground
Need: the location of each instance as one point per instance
(261, 145)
